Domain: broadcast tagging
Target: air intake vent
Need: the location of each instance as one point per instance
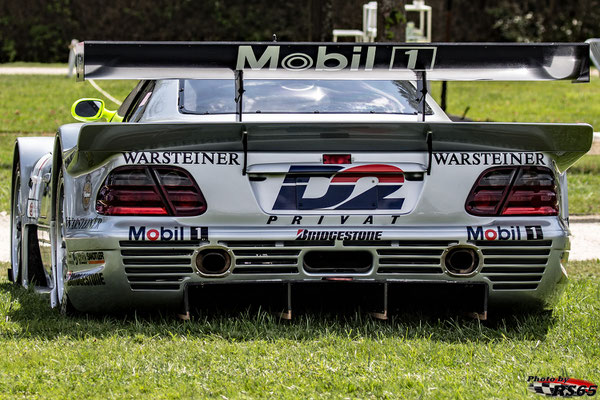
(153, 266)
(412, 257)
(256, 258)
(514, 264)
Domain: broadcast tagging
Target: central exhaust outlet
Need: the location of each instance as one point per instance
(461, 261)
(213, 262)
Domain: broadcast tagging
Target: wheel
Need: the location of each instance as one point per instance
(60, 264)
(16, 230)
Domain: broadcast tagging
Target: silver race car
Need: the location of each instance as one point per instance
(293, 169)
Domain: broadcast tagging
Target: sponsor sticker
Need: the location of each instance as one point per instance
(86, 192)
(180, 158)
(561, 386)
(86, 257)
(324, 58)
(88, 280)
(524, 158)
(341, 219)
(515, 232)
(83, 223)
(32, 208)
(305, 234)
(333, 187)
(143, 233)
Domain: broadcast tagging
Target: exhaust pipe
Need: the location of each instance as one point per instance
(213, 262)
(461, 260)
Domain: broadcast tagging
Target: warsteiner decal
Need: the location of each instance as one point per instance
(165, 234)
(180, 158)
(305, 234)
(333, 187)
(516, 232)
(489, 158)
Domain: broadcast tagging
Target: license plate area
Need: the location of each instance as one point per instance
(367, 187)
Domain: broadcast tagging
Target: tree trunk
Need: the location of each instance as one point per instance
(391, 21)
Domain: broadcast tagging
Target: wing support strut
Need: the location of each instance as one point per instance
(239, 100)
(429, 150)
(422, 90)
(245, 145)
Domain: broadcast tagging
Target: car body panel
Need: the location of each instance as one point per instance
(276, 206)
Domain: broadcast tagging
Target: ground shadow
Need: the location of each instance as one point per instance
(29, 315)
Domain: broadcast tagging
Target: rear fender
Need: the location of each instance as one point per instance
(64, 148)
(28, 151)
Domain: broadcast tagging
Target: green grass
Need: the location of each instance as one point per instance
(46, 355)
(41, 103)
(524, 101)
(33, 65)
(584, 186)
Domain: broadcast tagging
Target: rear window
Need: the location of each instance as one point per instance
(300, 96)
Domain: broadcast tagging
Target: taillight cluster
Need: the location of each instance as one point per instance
(514, 191)
(151, 190)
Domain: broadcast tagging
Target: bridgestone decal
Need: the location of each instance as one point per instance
(305, 234)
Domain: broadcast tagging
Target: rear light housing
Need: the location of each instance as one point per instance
(514, 191)
(150, 190)
(337, 159)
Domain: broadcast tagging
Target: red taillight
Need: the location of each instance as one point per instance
(513, 191)
(337, 159)
(140, 190)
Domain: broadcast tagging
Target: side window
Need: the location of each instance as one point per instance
(135, 112)
(123, 110)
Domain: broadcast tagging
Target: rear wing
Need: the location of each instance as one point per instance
(97, 142)
(362, 61)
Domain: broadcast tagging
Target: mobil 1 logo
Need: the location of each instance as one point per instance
(514, 232)
(336, 57)
(163, 234)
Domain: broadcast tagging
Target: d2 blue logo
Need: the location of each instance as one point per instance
(365, 187)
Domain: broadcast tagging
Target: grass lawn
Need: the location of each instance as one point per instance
(41, 103)
(33, 65)
(560, 101)
(584, 186)
(44, 354)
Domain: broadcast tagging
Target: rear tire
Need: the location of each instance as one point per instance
(16, 230)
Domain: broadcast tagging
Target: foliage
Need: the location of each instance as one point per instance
(512, 20)
(33, 30)
(535, 21)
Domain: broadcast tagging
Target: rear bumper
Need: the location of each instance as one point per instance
(115, 272)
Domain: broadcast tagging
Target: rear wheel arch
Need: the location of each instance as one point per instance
(27, 152)
(57, 164)
(15, 270)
